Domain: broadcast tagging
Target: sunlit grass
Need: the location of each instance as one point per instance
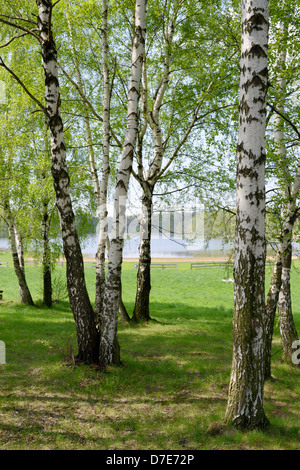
(171, 389)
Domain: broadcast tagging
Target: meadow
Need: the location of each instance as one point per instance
(170, 392)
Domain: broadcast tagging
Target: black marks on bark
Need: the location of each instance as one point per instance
(121, 184)
(248, 172)
(264, 72)
(256, 22)
(255, 81)
(255, 51)
(258, 19)
(244, 108)
(240, 147)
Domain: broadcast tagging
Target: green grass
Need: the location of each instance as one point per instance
(171, 389)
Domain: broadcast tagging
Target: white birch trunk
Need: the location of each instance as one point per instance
(287, 326)
(87, 334)
(147, 180)
(89, 139)
(141, 308)
(25, 294)
(102, 213)
(47, 278)
(19, 243)
(109, 349)
(245, 407)
(279, 293)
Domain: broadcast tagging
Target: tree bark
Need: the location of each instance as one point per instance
(46, 262)
(245, 408)
(287, 327)
(25, 294)
(141, 309)
(20, 249)
(109, 349)
(271, 307)
(148, 179)
(87, 334)
(122, 309)
(103, 235)
(279, 292)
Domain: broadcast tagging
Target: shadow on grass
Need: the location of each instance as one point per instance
(177, 330)
(175, 380)
(170, 312)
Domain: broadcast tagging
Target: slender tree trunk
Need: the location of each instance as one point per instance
(100, 267)
(245, 407)
(271, 307)
(46, 262)
(87, 334)
(141, 309)
(19, 244)
(25, 294)
(103, 235)
(100, 190)
(122, 309)
(285, 316)
(148, 181)
(86, 119)
(109, 349)
(275, 285)
(279, 276)
(279, 292)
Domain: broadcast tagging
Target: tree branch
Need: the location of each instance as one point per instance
(285, 118)
(2, 64)
(12, 39)
(22, 28)
(89, 104)
(19, 18)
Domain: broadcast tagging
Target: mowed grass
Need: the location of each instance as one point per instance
(171, 390)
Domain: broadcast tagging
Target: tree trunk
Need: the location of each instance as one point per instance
(122, 309)
(25, 294)
(271, 307)
(19, 244)
(103, 235)
(285, 316)
(141, 309)
(87, 334)
(280, 282)
(245, 407)
(109, 349)
(46, 262)
(278, 276)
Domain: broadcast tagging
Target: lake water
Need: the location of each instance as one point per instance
(163, 247)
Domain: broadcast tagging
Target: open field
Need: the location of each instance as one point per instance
(171, 389)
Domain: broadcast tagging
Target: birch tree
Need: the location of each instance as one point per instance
(100, 189)
(109, 348)
(175, 102)
(245, 408)
(14, 181)
(87, 334)
(41, 30)
(287, 178)
(25, 294)
(97, 25)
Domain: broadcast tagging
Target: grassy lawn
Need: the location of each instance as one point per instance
(171, 389)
